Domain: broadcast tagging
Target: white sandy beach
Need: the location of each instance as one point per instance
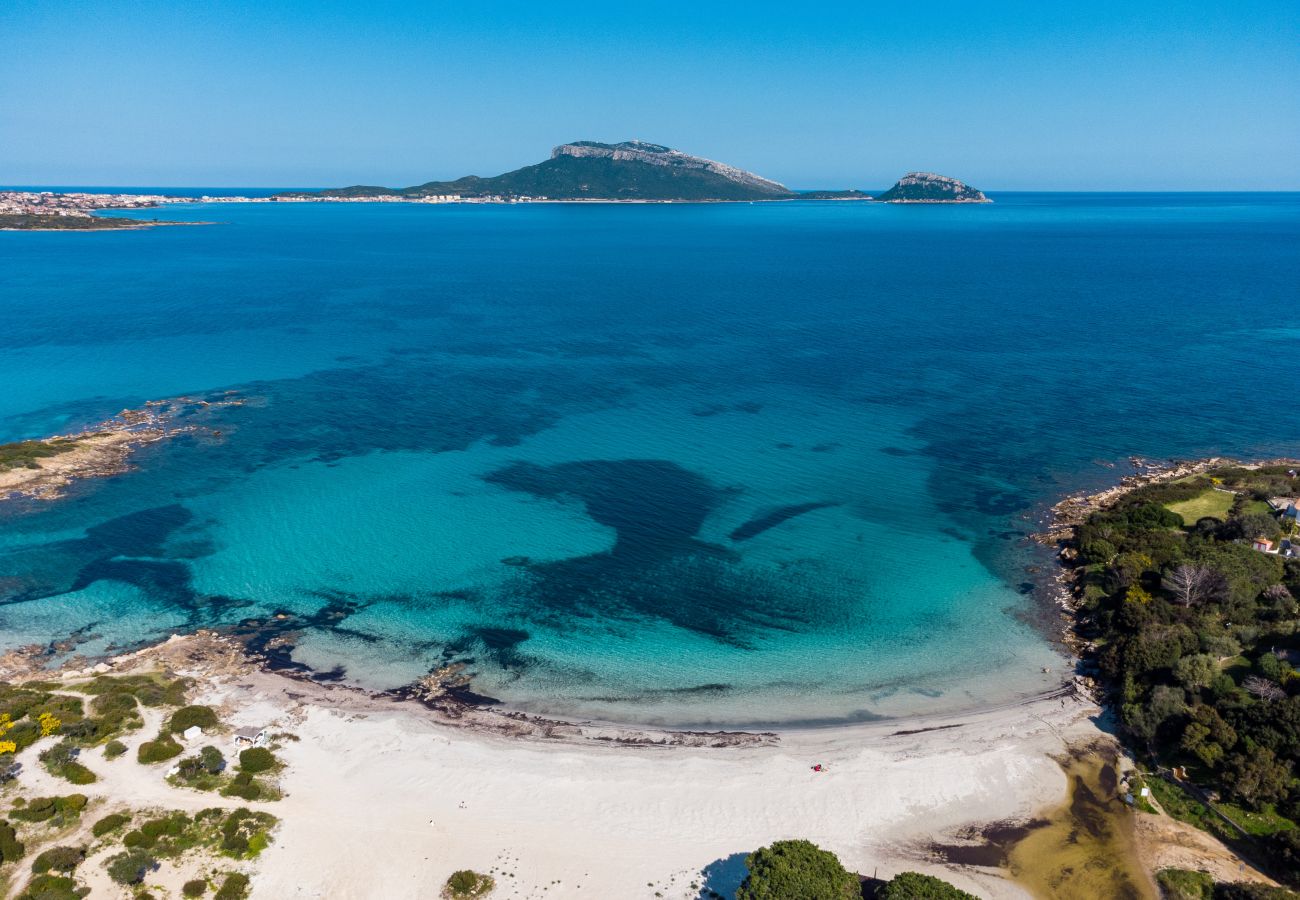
(386, 798)
(384, 803)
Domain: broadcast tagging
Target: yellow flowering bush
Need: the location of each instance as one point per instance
(49, 723)
(8, 747)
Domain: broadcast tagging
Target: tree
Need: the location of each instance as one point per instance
(797, 870)
(1264, 688)
(915, 886)
(1190, 585)
(1257, 778)
(1196, 671)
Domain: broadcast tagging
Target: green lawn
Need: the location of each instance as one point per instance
(1208, 503)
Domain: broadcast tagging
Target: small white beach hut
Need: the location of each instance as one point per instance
(249, 737)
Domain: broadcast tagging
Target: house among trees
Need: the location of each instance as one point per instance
(1263, 545)
(250, 737)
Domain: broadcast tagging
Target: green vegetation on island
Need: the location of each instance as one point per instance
(926, 187)
(1195, 629)
(28, 454)
(24, 222)
(589, 170)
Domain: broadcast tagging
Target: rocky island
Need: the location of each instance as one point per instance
(927, 187)
(590, 170)
(43, 469)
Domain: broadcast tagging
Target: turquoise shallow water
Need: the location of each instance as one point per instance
(685, 464)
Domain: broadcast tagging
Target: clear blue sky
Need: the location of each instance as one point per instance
(1036, 95)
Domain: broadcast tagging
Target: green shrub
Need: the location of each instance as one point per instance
(915, 886)
(243, 833)
(114, 749)
(196, 888)
(137, 838)
(1183, 884)
(1244, 891)
(250, 790)
(57, 811)
(61, 760)
(257, 759)
(158, 751)
(130, 867)
(212, 760)
(467, 883)
(235, 887)
(110, 822)
(11, 849)
(797, 869)
(53, 887)
(62, 859)
(189, 716)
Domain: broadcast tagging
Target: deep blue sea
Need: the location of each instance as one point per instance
(722, 463)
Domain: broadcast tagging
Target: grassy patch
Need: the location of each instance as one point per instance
(1262, 823)
(27, 454)
(1184, 884)
(240, 834)
(1207, 503)
(1185, 808)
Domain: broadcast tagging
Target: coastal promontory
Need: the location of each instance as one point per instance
(927, 187)
(590, 170)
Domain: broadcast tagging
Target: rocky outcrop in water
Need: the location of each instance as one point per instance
(927, 187)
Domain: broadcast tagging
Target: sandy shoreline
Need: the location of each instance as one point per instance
(386, 798)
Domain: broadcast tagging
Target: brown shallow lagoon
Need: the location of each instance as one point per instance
(1081, 850)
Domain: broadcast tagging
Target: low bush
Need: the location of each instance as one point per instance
(247, 790)
(257, 759)
(61, 859)
(196, 888)
(61, 760)
(11, 849)
(114, 749)
(467, 883)
(53, 887)
(915, 886)
(130, 867)
(1184, 884)
(110, 822)
(235, 887)
(243, 833)
(157, 751)
(189, 716)
(797, 869)
(57, 811)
